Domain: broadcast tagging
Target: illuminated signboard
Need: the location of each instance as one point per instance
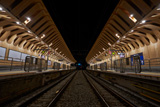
(140, 55)
(121, 55)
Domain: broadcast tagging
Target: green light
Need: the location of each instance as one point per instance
(43, 52)
(113, 53)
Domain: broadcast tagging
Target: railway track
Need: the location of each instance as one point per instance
(48, 98)
(78, 94)
(108, 97)
(42, 97)
(78, 89)
(124, 96)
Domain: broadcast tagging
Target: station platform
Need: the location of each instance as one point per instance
(22, 72)
(133, 73)
(15, 83)
(146, 75)
(144, 83)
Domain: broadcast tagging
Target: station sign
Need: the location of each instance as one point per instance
(121, 55)
(140, 55)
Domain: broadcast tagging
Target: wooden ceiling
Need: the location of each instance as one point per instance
(133, 24)
(13, 29)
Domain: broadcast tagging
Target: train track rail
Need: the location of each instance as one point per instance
(54, 95)
(36, 100)
(102, 91)
(101, 98)
(61, 91)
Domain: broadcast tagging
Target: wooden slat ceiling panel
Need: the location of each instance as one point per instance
(132, 34)
(41, 23)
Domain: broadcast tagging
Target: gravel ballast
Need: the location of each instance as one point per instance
(79, 94)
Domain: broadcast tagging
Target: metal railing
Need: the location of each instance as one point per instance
(9, 63)
(32, 63)
(149, 65)
(122, 65)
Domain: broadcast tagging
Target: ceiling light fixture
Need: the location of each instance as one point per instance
(133, 18)
(1, 8)
(29, 31)
(158, 8)
(43, 36)
(50, 44)
(117, 35)
(109, 44)
(56, 49)
(132, 31)
(18, 23)
(143, 21)
(28, 19)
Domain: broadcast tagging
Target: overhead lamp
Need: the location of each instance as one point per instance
(43, 36)
(117, 35)
(56, 49)
(124, 36)
(143, 21)
(132, 30)
(154, 15)
(28, 19)
(103, 49)
(1, 8)
(99, 52)
(50, 44)
(158, 8)
(18, 23)
(133, 18)
(29, 31)
(109, 44)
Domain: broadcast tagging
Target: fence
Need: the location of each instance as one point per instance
(125, 64)
(8, 63)
(28, 64)
(32, 63)
(149, 65)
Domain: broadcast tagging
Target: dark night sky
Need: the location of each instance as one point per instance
(80, 22)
